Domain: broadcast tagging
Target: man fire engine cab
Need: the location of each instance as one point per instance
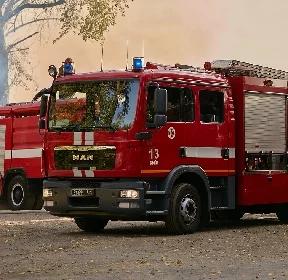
(175, 144)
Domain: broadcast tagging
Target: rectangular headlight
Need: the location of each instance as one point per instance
(134, 194)
(47, 193)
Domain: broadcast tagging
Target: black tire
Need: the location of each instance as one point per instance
(184, 215)
(282, 214)
(19, 196)
(91, 224)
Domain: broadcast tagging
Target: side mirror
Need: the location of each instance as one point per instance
(160, 101)
(160, 105)
(52, 71)
(43, 106)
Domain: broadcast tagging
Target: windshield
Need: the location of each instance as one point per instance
(90, 105)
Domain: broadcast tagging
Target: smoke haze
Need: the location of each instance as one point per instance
(184, 31)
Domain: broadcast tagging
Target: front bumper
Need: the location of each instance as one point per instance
(105, 200)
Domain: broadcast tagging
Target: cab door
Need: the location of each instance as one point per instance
(208, 140)
(210, 143)
(163, 149)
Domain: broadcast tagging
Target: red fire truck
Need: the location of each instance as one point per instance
(21, 156)
(177, 144)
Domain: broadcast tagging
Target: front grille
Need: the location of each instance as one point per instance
(85, 184)
(85, 157)
(84, 201)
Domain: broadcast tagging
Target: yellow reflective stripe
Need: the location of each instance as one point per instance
(167, 171)
(154, 171)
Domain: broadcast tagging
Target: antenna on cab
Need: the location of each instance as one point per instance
(127, 54)
(143, 48)
(102, 56)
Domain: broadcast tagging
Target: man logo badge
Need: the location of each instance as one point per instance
(82, 157)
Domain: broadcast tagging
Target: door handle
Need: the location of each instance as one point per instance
(225, 153)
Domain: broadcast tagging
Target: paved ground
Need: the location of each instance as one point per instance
(35, 245)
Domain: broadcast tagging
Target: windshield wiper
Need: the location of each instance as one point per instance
(110, 127)
(71, 127)
(77, 127)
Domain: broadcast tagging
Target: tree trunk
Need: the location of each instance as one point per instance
(3, 68)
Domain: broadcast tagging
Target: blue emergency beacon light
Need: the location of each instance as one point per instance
(138, 63)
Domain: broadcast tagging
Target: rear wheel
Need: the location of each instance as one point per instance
(282, 214)
(91, 224)
(184, 210)
(19, 197)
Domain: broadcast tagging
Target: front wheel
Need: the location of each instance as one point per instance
(91, 224)
(184, 213)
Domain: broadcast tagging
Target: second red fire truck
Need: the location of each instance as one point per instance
(21, 156)
(177, 144)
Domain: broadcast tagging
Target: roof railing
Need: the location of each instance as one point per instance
(226, 67)
(176, 67)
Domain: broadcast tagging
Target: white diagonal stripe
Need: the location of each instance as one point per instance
(231, 152)
(2, 147)
(89, 173)
(203, 152)
(77, 138)
(77, 173)
(89, 138)
(26, 153)
(8, 154)
(207, 152)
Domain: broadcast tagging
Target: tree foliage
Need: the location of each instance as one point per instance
(22, 20)
(90, 18)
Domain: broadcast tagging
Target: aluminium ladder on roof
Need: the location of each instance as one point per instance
(238, 68)
(231, 68)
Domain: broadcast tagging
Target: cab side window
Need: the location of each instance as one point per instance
(211, 106)
(180, 105)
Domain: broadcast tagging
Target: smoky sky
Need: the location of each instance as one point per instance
(177, 31)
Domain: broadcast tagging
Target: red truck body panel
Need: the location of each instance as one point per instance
(261, 187)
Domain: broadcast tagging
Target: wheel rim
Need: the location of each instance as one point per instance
(17, 194)
(188, 210)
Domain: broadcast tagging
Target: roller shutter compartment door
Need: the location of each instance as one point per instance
(265, 120)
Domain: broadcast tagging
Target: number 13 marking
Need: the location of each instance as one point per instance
(154, 154)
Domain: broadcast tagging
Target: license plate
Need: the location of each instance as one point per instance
(82, 192)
